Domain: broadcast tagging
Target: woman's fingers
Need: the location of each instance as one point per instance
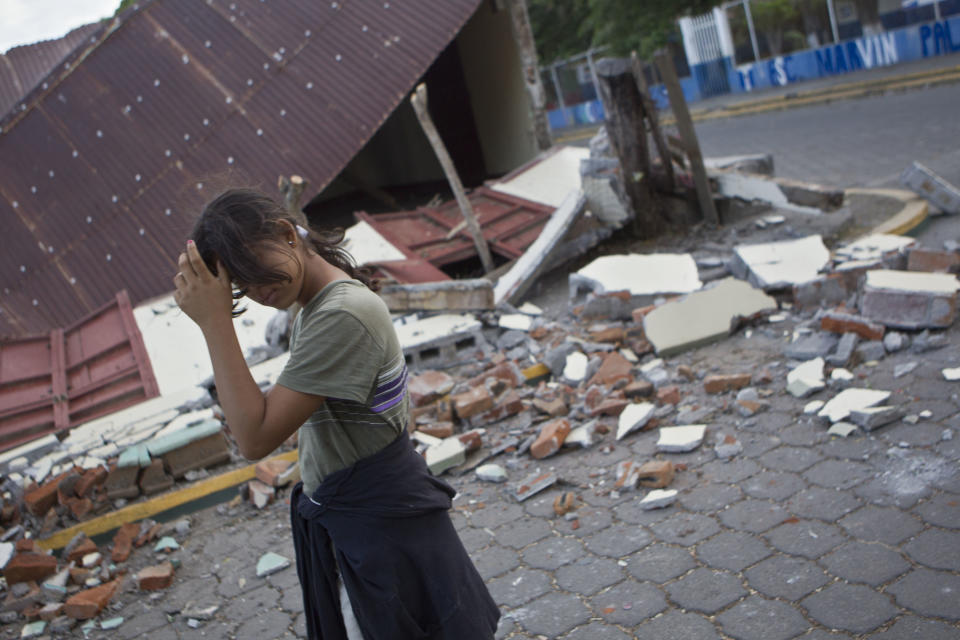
(196, 262)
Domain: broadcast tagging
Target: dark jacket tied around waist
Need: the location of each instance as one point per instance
(402, 563)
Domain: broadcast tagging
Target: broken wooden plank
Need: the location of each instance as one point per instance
(536, 258)
(449, 295)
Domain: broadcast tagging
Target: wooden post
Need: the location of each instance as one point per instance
(651, 111)
(523, 36)
(624, 111)
(291, 189)
(419, 102)
(689, 135)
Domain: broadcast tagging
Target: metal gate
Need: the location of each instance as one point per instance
(708, 45)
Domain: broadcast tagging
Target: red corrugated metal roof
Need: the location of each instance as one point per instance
(102, 175)
(25, 67)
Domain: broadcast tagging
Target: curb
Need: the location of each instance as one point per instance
(152, 507)
(913, 213)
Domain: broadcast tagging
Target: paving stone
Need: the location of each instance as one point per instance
(773, 485)
(788, 458)
(629, 603)
(710, 497)
(807, 538)
(505, 628)
(774, 421)
(299, 626)
(522, 532)
(685, 528)
(597, 631)
(474, 538)
(553, 614)
(494, 515)
(251, 603)
(923, 434)
(942, 510)
(786, 577)
(519, 587)
(291, 599)
(804, 434)
(733, 551)
(553, 553)
(753, 515)
(894, 488)
(706, 590)
(881, 524)
(729, 471)
(618, 541)
(264, 624)
(850, 607)
(855, 447)
(495, 560)
(236, 577)
(589, 574)
(659, 563)
(589, 520)
(146, 621)
(838, 474)
(912, 628)
(759, 619)
(868, 562)
(936, 549)
(822, 504)
(541, 506)
(674, 625)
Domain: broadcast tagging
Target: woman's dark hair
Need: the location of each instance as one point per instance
(235, 223)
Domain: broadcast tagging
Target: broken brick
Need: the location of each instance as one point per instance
(638, 389)
(121, 482)
(472, 440)
(728, 382)
(687, 372)
(933, 261)
(84, 547)
(65, 488)
(29, 567)
(437, 430)
(610, 407)
(669, 395)
(90, 479)
(271, 472)
(199, 454)
(41, 500)
(154, 479)
(656, 474)
(839, 322)
(90, 602)
(79, 507)
(555, 407)
(476, 400)
(610, 335)
(156, 577)
(507, 372)
(260, 494)
(615, 367)
(824, 291)
(564, 503)
(626, 475)
(640, 313)
(550, 438)
(123, 541)
(428, 387)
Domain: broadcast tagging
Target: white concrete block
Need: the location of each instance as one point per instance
(951, 374)
(806, 378)
(633, 417)
(682, 438)
(576, 367)
(813, 407)
(548, 179)
(640, 274)
(840, 406)
(842, 429)
(910, 281)
(445, 455)
(658, 498)
(491, 473)
(365, 244)
(519, 321)
(776, 265)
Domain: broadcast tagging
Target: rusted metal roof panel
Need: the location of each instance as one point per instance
(53, 382)
(180, 94)
(23, 68)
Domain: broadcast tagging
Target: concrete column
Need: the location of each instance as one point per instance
(724, 32)
(752, 29)
(689, 41)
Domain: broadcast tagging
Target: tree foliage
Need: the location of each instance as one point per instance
(566, 27)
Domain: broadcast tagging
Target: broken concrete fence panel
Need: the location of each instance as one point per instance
(932, 187)
(512, 285)
(534, 484)
(681, 438)
(840, 406)
(841, 376)
(658, 499)
(842, 429)
(638, 274)
(704, 316)
(515, 322)
(874, 247)
(910, 300)
(778, 265)
(445, 339)
(782, 193)
(874, 417)
(446, 295)
(634, 417)
(449, 453)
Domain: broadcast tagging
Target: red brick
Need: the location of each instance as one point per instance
(594, 396)
(610, 407)
(123, 541)
(638, 389)
(640, 313)
(475, 401)
(507, 372)
(728, 382)
(199, 454)
(554, 407)
(508, 404)
(615, 367)
(154, 479)
(148, 536)
(260, 494)
(79, 507)
(82, 548)
(933, 261)
(669, 395)
(65, 488)
(656, 474)
(87, 604)
(121, 482)
(437, 430)
(29, 567)
(269, 472)
(839, 322)
(550, 438)
(428, 387)
(27, 545)
(473, 439)
(156, 577)
(687, 372)
(90, 479)
(610, 334)
(41, 500)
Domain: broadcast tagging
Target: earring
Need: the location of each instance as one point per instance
(290, 242)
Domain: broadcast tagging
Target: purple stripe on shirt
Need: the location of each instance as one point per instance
(380, 408)
(389, 388)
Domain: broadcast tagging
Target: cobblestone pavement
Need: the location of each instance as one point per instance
(800, 535)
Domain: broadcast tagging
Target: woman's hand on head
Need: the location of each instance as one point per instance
(205, 297)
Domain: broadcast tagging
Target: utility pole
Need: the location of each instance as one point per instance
(523, 36)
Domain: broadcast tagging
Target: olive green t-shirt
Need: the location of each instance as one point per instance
(343, 347)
